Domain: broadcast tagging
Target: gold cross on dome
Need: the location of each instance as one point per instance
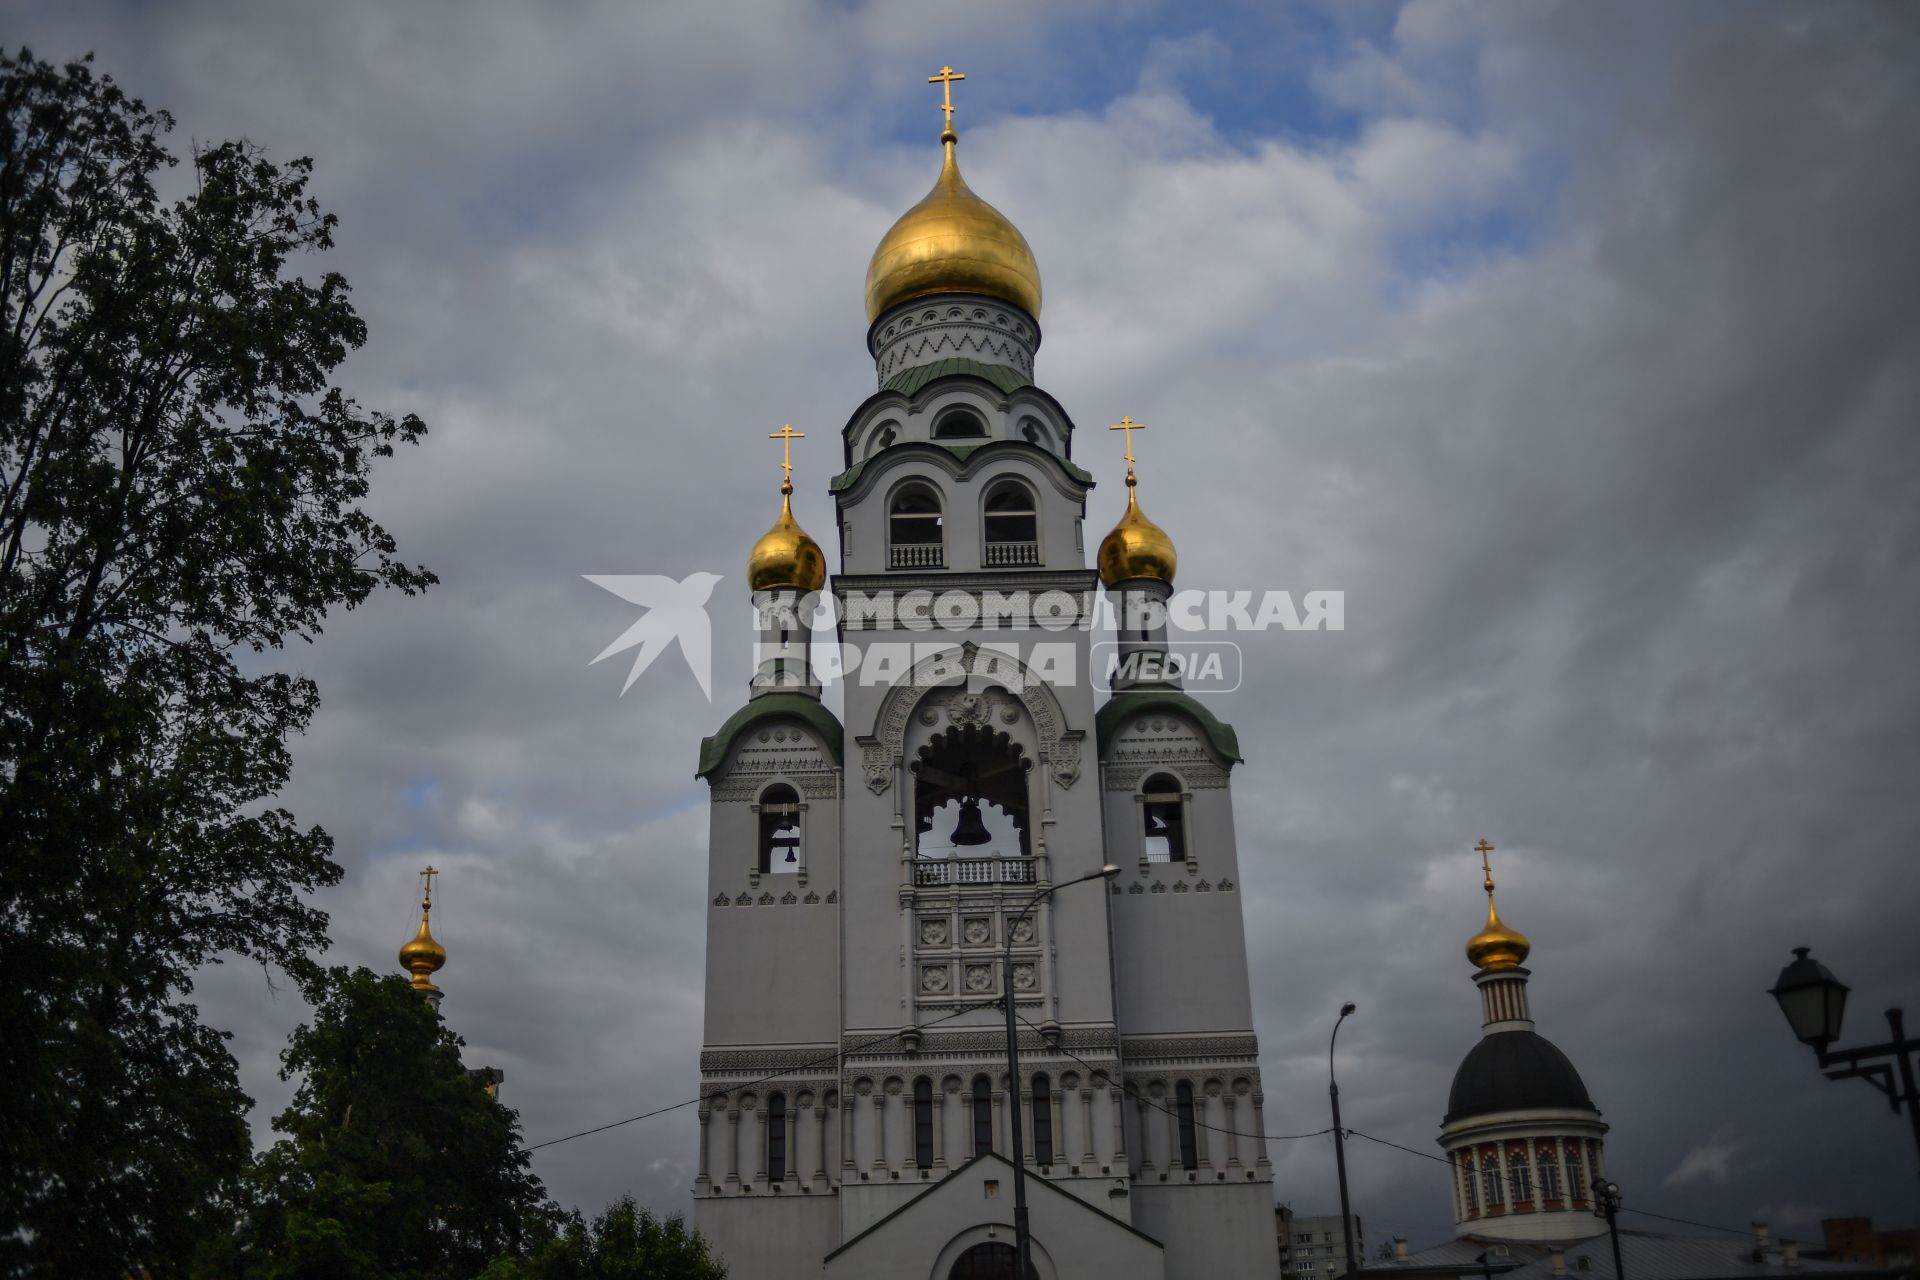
(1483, 849)
(945, 78)
(426, 895)
(786, 435)
(1129, 426)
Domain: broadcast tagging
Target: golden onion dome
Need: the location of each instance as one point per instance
(952, 242)
(423, 956)
(786, 555)
(1496, 946)
(1136, 548)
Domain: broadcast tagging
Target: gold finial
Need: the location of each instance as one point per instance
(1496, 946)
(945, 78)
(423, 956)
(786, 556)
(786, 435)
(1129, 426)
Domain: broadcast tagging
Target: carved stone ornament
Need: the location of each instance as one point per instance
(934, 978)
(933, 932)
(976, 672)
(1023, 975)
(969, 708)
(1065, 762)
(1023, 931)
(976, 931)
(878, 766)
(979, 977)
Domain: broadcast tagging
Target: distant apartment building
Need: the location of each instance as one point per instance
(1313, 1248)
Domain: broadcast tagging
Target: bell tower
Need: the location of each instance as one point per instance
(883, 885)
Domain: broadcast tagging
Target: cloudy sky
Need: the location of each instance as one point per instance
(1575, 343)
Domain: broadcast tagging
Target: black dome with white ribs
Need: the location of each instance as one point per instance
(1515, 1071)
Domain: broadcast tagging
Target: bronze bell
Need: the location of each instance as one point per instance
(970, 830)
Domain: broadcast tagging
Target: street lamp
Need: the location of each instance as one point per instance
(1340, 1141)
(1022, 1236)
(1607, 1203)
(1814, 1002)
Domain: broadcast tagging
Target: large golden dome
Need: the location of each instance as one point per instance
(1136, 548)
(786, 555)
(952, 242)
(423, 957)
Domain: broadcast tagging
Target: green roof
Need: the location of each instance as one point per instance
(908, 381)
(1128, 703)
(713, 751)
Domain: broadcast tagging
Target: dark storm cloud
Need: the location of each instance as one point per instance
(1621, 496)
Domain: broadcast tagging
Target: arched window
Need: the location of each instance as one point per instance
(1042, 1119)
(1473, 1193)
(1522, 1175)
(779, 831)
(1183, 1112)
(959, 425)
(1495, 1184)
(1011, 525)
(1576, 1173)
(1163, 815)
(923, 1122)
(915, 532)
(776, 1137)
(982, 1115)
(1549, 1171)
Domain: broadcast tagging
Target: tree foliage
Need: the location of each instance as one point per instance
(397, 1164)
(180, 483)
(624, 1242)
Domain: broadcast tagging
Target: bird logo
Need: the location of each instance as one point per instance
(674, 611)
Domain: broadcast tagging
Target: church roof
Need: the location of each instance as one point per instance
(908, 381)
(1515, 1071)
(808, 711)
(960, 453)
(1131, 702)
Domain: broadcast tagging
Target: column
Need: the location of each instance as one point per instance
(1031, 1147)
(820, 1144)
(1260, 1130)
(1228, 1138)
(756, 1135)
(1170, 1107)
(1202, 1122)
(1119, 1113)
(733, 1148)
(1002, 1142)
(849, 1104)
(1146, 1143)
(701, 1183)
(1086, 1126)
(1566, 1182)
(884, 1104)
(939, 1127)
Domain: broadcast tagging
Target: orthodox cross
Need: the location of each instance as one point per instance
(426, 896)
(1483, 849)
(1129, 426)
(786, 435)
(945, 79)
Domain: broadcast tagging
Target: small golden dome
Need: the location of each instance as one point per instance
(1496, 946)
(423, 956)
(1136, 548)
(786, 555)
(952, 242)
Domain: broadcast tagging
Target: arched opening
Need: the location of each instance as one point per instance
(915, 529)
(1036, 433)
(1042, 1119)
(991, 1260)
(881, 439)
(776, 1137)
(1183, 1112)
(779, 830)
(961, 424)
(1010, 525)
(970, 806)
(1163, 818)
(982, 1106)
(923, 1123)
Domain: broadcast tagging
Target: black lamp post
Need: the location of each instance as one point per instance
(1814, 1002)
(1607, 1203)
(1022, 1236)
(1340, 1141)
